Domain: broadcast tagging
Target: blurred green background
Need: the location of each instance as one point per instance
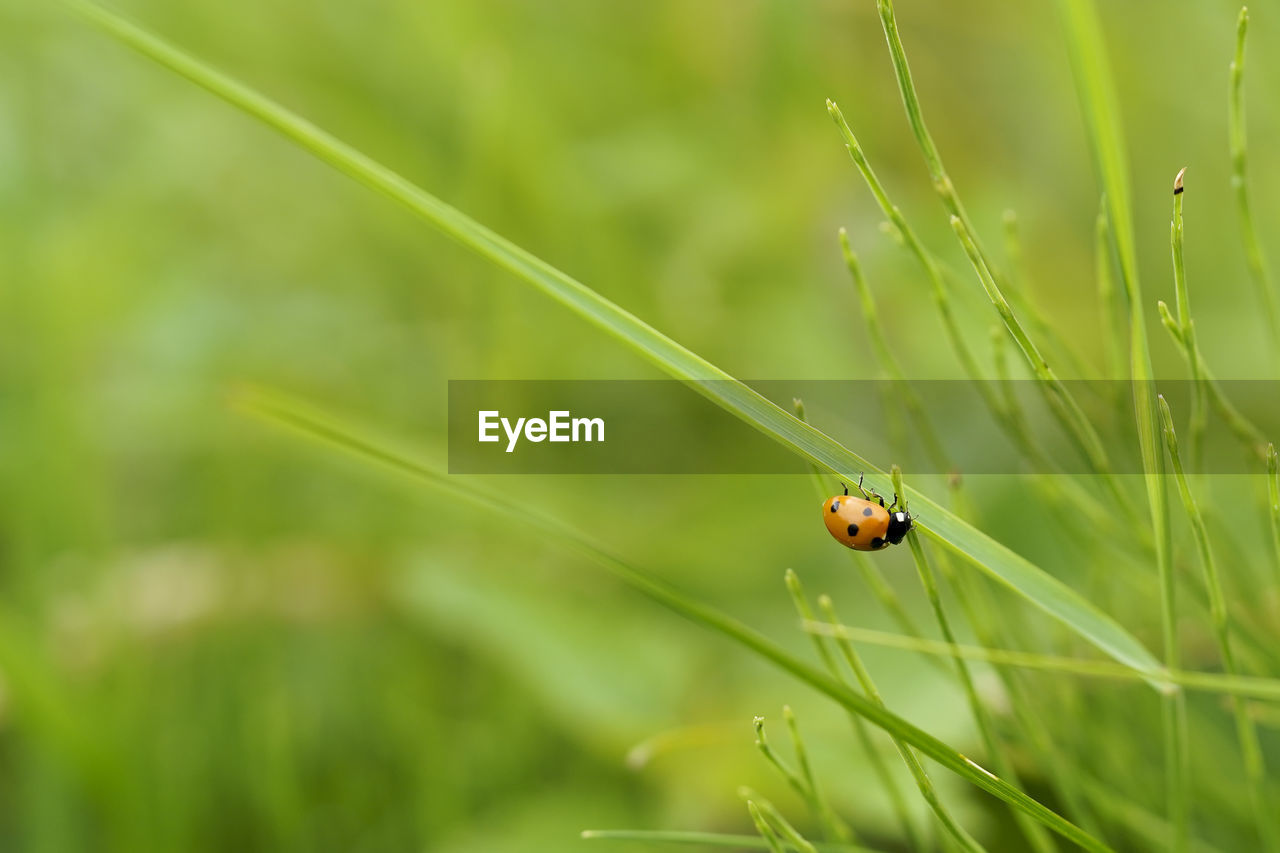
(216, 637)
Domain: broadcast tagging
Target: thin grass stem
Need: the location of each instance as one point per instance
(706, 839)
(803, 783)
(1267, 689)
(767, 832)
(906, 394)
(1034, 833)
(1182, 297)
(1259, 272)
(324, 430)
(1096, 88)
(1273, 505)
(702, 376)
(1246, 732)
(1112, 325)
(897, 800)
(954, 830)
(787, 834)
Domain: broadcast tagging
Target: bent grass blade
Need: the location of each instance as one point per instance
(1010, 569)
(324, 429)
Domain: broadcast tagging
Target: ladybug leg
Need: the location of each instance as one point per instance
(846, 490)
(864, 491)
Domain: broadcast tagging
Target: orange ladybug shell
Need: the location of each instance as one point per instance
(856, 523)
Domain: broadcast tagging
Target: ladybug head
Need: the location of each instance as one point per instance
(899, 524)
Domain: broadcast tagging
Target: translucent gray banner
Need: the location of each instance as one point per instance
(926, 426)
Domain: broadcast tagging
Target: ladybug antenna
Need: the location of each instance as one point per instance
(846, 488)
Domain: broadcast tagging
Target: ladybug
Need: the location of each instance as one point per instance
(864, 524)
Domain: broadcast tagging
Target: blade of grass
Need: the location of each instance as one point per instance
(1094, 82)
(996, 753)
(804, 782)
(1059, 399)
(1273, 502)
(1112, 337)
(1010, 569)
(1182, 299)
(993, 627)
(903, 392)
(705, 839)
(1150, 828)
(1246, 733)
(1249, 435)
(1258, 271)
(1013, 426)
(863, 676)
(1182, 329)
(769, 815)
(1061, 403)
(767, 832)
(334, 435)
(1207, 682)
(956, 832)
(930, 265)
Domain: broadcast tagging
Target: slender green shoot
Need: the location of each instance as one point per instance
(1273, 502)
(1246, 732)
(992, 627)
(329, 433)
(896, 798)
(932, 269)
(787, 834)
(1199, 408)
(1267, 689)
(956, 832)
(911, 101)
(1154, 831)
(706, 839)
(680, 362)
(767, 832)
(1258, 269)
(1096, 88)
(996, 753)
(1250, 437)
(803, 783)
(1059, 399)
(1013, 426)
(837, 830)
(910, 400)
(1112, 336)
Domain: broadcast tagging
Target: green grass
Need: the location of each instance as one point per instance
(1058, 738)
(981, 550)
(1258, 269)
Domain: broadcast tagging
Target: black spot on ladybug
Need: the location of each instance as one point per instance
(835, 505)
(877, 544)
(868, 511)
(853, 530)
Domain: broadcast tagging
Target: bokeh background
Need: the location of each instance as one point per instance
(216, 636)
